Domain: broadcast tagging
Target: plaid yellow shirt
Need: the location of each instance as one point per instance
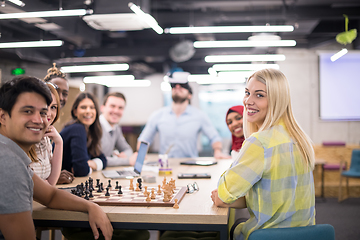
(270, 172)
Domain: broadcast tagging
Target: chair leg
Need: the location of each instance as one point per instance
(340, 187)
(347, 187)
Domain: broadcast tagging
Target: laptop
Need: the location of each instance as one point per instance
(137, 167)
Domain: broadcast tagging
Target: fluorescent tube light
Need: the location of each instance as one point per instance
(338, 55)
(117, 81)
(229, 29)
(95, 68)
(58, 13)
(209, 79)
(50, 43)
(244, 43)
(17, 2)
(243, 67)
(100, 79)
(146, 17)
(244, 58)
(128, 83)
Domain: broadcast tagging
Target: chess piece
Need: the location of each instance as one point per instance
(102, 186)
(164, 183)
(120, 192)
(159, 190)
(99, 189)
(86, 195)
(97, 182)
(131, 184)
(139, 180)
(145, 191)
(91, 194)
(109, 185)
(153, 193)
(107, 194)
(148, 199)
(137, 187)
(176, 205)
(117, 185)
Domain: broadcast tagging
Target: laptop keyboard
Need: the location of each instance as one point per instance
(127, 173)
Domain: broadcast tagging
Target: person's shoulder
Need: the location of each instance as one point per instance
(74, 128)
(273, 136)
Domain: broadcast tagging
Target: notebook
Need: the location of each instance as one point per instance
(137, 167)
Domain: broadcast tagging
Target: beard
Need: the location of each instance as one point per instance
(178, 99)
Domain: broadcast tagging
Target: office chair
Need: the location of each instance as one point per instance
(353, 172)
(315, 232)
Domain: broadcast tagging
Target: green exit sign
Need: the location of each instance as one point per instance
(18, 71)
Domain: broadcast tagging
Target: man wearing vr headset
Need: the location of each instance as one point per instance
(180, 124)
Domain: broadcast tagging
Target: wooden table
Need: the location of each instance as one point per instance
(196, 212)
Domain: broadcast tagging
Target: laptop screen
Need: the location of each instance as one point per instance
(141, 157)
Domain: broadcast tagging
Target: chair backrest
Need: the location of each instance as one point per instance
(315, 232)
(355, 160)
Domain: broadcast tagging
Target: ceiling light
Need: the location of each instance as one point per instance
(17, 2)
(243, 67)
(338, 55)
(244, 43)
(244, 58)
(95, 68)
(59, 13)
(229, 29)
(50, 43)
(99, 79)
(117, 81)
(146, 17)
(209, 79)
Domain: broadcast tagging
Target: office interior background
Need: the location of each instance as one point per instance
(112, 33)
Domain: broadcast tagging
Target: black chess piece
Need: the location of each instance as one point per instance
(120, 192)
(117, 185)
(97, 182)
(102, 186)
(86, 195)
(107, 194)
(91, 195)
(91, 184)
(109, 185)
(99, 189)
(86, 185)
(139, 180)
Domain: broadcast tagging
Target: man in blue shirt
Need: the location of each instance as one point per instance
(180, 124)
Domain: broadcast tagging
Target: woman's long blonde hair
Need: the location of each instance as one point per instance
(279, 107)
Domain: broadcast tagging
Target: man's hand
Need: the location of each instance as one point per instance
(120, 155)
(219, 155)
(65, 177)
(132, 159)
(98, 219)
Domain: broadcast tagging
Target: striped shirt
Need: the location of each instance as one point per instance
(278, 187)
(43, 149)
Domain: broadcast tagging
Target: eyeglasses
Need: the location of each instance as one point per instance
(192, 187)
(183, 85)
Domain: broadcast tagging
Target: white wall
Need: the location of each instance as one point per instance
(301, 69)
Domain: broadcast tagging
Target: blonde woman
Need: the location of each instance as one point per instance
(272, 175)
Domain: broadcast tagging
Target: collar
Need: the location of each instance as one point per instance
(105, 124)
(187, 110)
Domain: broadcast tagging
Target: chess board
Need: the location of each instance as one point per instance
(136, 198)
